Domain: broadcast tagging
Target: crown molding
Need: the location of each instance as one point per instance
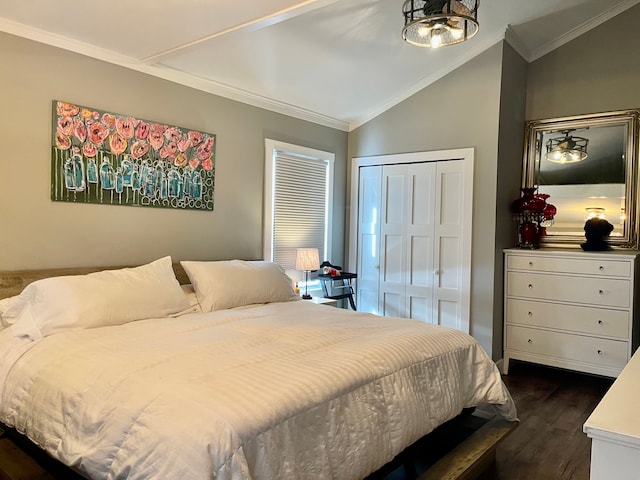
(192, 81)
(581, 29)
(517, 44)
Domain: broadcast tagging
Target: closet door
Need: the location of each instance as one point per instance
(406, 232)
(412, 235)
(449, 290)
(392, 243)
(369, 200)
(419, 236)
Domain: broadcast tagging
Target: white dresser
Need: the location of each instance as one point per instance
(570, 309)
(614, 428)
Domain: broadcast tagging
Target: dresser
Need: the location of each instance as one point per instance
(614, 428)
(571, 309)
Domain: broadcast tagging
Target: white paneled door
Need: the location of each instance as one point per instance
(369, 239)
(413, 241)
(407, 226)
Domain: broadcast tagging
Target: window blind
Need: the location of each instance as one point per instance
(299, 207)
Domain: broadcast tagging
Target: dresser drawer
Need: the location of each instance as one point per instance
(589, 290)
(571, 318)
(609, 353)
(612, 268)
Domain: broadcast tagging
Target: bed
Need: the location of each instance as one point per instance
(124, 373)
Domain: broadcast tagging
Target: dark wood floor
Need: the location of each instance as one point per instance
(552, 405)
(548, 444)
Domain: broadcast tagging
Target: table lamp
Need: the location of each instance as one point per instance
(307, 259)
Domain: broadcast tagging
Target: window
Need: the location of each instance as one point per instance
(298, 193)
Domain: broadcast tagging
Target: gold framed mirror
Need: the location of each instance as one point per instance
(587, 166)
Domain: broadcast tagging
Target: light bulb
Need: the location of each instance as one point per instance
(423, 31)
(436, 37)
(456, 33)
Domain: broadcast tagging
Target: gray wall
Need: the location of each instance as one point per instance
(38, 233)
(460, 110)
(510, 153)
(597, 72)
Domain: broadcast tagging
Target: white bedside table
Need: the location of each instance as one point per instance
(324, 301)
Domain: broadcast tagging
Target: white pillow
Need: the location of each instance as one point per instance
(110, 297)
(192, 299)
(234, 283)
(9, 308)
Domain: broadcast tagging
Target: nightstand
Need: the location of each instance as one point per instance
(341, 283)
(332, 302)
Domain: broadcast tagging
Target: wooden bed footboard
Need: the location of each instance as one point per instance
(472, 456)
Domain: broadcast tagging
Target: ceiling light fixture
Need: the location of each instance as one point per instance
(435, 23)
(566, 149)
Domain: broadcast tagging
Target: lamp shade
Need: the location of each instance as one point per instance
(307, 259)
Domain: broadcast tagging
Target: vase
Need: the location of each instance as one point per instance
(528, 202)
(529, 235)
(549, 210)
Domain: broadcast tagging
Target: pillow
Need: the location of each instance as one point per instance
(235, 283)
(192, 299)
(110, 297)
(9, 308)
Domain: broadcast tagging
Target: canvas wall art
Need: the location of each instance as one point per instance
(114, 159)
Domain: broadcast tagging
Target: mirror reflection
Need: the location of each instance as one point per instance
(586, 166)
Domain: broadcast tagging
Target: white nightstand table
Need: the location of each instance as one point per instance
(324, 301)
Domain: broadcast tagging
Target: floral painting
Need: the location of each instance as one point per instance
(113, 159)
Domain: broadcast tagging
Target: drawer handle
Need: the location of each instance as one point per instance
(531, 264)
(601, 292)
(530, 314)
(601, 268)
(600, 352)
(600, 322)
(529, 341)
(530, 286)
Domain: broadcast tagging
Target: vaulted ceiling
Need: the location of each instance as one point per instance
(334, 62)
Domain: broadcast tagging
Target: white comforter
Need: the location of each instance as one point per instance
(279, 391)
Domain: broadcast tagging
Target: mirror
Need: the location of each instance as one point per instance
(586, 164)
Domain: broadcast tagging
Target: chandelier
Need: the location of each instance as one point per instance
(435, 23)
(566, 149)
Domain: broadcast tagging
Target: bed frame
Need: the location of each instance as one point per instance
(471, 439)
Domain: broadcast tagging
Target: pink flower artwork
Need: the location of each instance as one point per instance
(117, 143)
(65, 125)
(89, 149)
(139, 148)
(207, 164)
(64, 109)
(63, 142)
(184, 143)
(172, 134)
(142, 130)
(97, 133)
(205, 150)
(129, 161)
(80, 130)
(195, 137)
(125, 127)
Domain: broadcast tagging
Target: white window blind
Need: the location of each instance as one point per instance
(297, 214)
(299, 207)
